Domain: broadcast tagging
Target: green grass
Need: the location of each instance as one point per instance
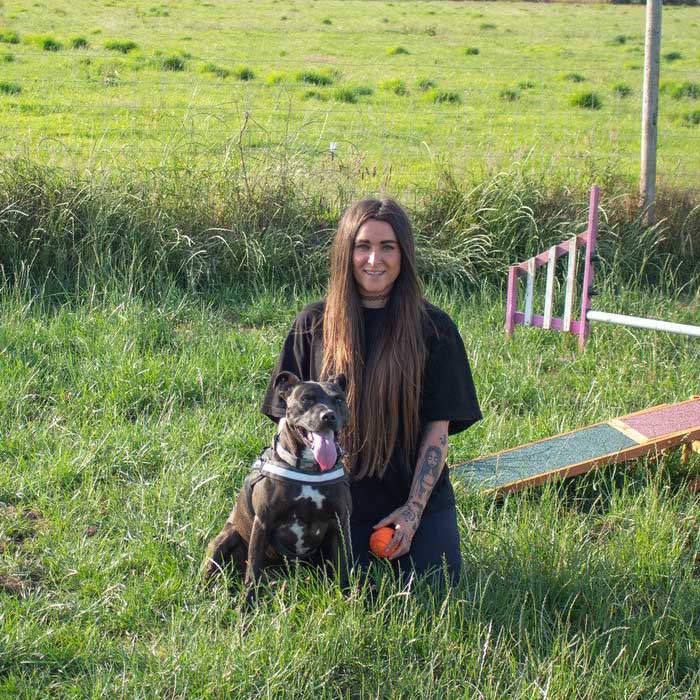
(8, 88)
(68, 118)
(130, 420)
(587, 100)
(121, 45)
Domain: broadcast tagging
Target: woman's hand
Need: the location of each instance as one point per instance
(405, 521)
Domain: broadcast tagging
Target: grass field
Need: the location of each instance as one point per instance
(128, 426)
(397, 85)
(143, 302)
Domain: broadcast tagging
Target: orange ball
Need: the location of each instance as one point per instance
(379, 540)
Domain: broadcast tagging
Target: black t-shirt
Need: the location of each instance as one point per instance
(448, 394)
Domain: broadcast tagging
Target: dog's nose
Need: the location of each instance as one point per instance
(328, 418)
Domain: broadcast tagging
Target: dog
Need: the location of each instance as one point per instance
(295, 504)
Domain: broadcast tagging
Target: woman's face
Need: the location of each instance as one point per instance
(376, 258)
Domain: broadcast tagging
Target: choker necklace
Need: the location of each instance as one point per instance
(376, 297)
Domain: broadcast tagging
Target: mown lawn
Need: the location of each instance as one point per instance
(398, 86)
(129, 423)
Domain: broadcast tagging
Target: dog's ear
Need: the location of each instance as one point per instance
(341, 380)
(285, 382)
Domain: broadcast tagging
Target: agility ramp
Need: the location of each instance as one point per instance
(645, 433)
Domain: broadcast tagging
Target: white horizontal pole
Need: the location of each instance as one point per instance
(648, 323)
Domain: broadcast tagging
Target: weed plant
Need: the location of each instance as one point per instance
(587, 100)
(509, 94)
(175, 64)
(276, 77)
(121, 45)
(243, 73)
(396, 85)
(443, 96)
(573, 77)
(397, 51)
(692, 118)
(79, 42)
(9, 37)
(218, 71)
(9, 88)
(687, 90)
(46, 43)
(314, 77)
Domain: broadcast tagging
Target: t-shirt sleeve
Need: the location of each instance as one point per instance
(448, 389)
(295, 356)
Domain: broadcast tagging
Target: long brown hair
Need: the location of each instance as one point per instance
(384, 389)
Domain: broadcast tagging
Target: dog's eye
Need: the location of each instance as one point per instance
(338, 400)
(308, 400)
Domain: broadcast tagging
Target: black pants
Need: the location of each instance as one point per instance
(435, 544)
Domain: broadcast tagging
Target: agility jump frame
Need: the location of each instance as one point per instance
(567, 324)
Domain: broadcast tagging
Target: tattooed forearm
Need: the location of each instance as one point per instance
(430, 463)
(428, 472)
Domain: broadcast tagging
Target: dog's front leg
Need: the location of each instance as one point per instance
(256, 554)
(339, 548)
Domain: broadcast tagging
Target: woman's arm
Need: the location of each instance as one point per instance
(431, 461)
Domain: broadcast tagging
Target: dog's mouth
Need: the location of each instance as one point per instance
(322, 444)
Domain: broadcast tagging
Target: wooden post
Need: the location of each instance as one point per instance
(650, 109)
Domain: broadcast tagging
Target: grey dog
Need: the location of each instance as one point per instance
(295, 504)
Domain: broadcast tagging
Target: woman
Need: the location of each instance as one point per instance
(409, 386)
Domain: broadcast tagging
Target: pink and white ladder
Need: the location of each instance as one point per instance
(567, 323)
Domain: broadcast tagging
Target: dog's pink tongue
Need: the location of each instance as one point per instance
(323, 446)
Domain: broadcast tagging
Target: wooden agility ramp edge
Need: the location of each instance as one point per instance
(646, 432)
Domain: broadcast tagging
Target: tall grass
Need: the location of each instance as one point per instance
(274, 223)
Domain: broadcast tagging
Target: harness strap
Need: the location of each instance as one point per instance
(283, 472)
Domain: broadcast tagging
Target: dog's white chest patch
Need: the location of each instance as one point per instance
(297, 529)
(310, 492)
